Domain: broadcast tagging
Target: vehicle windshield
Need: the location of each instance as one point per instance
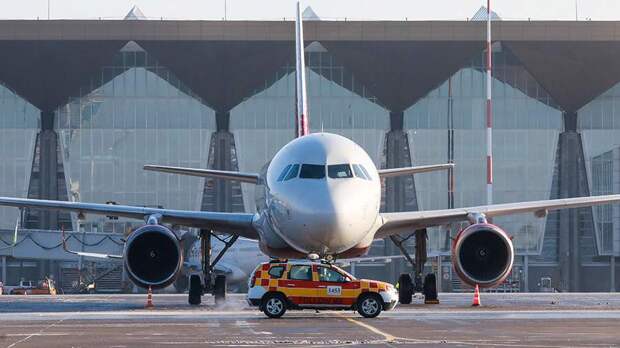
(312, 171)
(339, 171)
(347, 274)
(331, 275)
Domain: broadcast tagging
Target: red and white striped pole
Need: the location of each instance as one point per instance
(489, 113)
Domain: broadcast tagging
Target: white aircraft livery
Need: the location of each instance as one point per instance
(319, 198)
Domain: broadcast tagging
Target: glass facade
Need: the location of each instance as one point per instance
(19, 125)
(266, 122)
(526, 126)
(138, 116)
(599, 125)
(136, 112)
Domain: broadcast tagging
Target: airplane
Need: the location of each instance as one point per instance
(321, 195)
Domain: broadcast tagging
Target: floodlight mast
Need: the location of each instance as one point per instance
(489, 110)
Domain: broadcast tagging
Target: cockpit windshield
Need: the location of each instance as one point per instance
(289, 172)
(312, 171)
(292, 173)
(284, 171)
(339, 171)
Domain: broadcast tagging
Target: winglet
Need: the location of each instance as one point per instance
(14, 243)
(85, 254)
(64, 240)
(15, 233)
(301, 118)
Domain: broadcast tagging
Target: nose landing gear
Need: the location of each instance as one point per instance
(209, 282)
(407, 286)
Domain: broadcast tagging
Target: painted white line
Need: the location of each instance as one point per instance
(40, 332)
(386, 336)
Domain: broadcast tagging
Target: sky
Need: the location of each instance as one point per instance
(327, 9)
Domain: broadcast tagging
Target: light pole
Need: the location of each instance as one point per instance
(576, 10)
(225, 10)
(489, 109)
(48, 10)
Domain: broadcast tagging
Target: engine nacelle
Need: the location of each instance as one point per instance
(153, 256)
(483, 255)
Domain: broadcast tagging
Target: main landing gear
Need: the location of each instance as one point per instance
(209, 282)
(407, 286)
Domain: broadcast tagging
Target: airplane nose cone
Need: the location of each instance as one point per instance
(335, 221)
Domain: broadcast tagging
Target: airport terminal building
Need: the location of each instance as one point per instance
(84, 104)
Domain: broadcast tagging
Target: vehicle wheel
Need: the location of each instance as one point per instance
(219, 289)
(405, 288)
(195, 290)
(273, 305)
(430, 288)
(369, 305)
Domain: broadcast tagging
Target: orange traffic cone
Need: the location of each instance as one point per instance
(476, 302)
(149, 299)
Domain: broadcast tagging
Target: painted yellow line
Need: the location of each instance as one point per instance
(386, 336)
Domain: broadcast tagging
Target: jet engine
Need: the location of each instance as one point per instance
(482, 255)
(153, 256)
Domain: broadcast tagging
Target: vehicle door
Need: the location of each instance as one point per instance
(299, 286)
(336, 289)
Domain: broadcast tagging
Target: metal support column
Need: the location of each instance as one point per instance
(48, 161)
(399, 192)
(526, 273)
(612, 273)
(572, 183)
(439, 275)
(4, 270)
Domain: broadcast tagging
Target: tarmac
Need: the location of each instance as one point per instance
(503, 320)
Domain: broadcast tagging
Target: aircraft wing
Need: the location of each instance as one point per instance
(386, 173)
(240, 224)
(251, 178)
(394, 223)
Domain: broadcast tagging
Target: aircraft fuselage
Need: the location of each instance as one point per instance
(320, 194)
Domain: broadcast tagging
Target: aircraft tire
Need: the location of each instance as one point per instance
(430, 287)
(195, 290)
(219, 289)
(369, 305)
(405, 288)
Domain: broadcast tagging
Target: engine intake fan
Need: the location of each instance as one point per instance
(153, 256)
(483, 255)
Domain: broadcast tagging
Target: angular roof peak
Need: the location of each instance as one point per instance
(310, 15)
(481, 15)
(135, 14)
(132, 46)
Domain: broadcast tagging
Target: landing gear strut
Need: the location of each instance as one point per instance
(408, 286)
(210, 282)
